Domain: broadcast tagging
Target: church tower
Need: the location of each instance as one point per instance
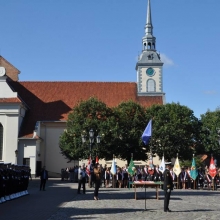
(149, 66)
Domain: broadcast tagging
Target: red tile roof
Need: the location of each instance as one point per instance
(10, 100)
(53, 101)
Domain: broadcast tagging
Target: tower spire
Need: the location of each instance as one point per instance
(149, 26)
(149, 41)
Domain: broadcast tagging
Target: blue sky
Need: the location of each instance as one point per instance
(99, 40)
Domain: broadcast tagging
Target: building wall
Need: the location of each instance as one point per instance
(50, 152)
(11, 71)
(27, 149)
(9, 114)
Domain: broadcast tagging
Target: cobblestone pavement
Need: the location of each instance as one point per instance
(61, 202)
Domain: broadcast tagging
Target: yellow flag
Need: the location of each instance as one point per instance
(176, 168)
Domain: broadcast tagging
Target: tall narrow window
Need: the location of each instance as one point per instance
(151, 85)
(1, 141)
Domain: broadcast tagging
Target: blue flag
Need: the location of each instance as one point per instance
(193, 172)
(147, 133)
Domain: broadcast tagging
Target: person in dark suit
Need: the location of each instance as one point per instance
(97, 173)
(82, 178)
(167, 186)
(43, 178)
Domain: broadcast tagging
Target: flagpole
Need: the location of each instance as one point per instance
(213, 187)
(194, 181)
(113, 182)
(177, 176)
(145, 194)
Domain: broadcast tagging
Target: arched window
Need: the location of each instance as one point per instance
(151, 85)
(1, 141)
(153, 46)
(149, 46)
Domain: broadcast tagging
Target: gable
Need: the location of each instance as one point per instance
(11, 71)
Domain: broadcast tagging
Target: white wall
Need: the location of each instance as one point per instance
(9, 117)
(51, 155)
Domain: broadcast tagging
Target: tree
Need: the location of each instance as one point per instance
(131, 122)
(175, 130)
(211, 131)
(89, 114)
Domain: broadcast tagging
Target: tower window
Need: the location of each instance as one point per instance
(153, 46)
(1, 141)
(151, 85)
(149, 46)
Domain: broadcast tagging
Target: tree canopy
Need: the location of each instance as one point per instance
(87, 115)
(131, 124)
(211, 132)
(175, 130)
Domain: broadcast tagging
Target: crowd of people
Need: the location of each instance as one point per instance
(14, 180)
(146, 173)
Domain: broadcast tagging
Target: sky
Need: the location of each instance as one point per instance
(99, 40)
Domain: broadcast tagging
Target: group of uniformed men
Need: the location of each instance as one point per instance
(14, 181)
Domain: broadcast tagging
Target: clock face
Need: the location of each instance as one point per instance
(150, 71)
(2, 71)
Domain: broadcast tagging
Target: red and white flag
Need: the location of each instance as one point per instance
(88, 166)
(212, 168)
(97, 159)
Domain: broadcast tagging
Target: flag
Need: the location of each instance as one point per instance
(147, 133)
(162, 165)
(97, 159)
(194, 171)
(131, 167)
(212, 168)
(113, 168)
(176, 168)
(88, 167)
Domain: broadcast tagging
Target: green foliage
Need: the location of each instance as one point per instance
(210, 134)
(175, 130)
(87, 115)
(131, 124)
(188, 163)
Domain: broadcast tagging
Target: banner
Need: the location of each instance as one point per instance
(194, 171)
(147, 133)
(113, 168)
(212, 168)
(176, 168)
(131, 168)
(162, 165)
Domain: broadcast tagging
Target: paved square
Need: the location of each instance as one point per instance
(60, 202)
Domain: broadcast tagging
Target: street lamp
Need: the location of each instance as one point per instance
(91, 139)
(218, 133)
(16, 156)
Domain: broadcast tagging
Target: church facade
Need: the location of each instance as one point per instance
(33, 114)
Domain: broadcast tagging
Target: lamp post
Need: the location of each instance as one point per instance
(16, 156)
(91, 142)
(91, 139)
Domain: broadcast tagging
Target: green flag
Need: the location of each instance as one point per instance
(193, 172)
(131, 168)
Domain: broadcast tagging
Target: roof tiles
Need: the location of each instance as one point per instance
(53, 101)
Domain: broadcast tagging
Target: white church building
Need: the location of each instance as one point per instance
(33, 114)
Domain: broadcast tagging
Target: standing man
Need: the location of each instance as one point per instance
(167, 186)
(97, 174)
(43, 178)
(82, 179)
